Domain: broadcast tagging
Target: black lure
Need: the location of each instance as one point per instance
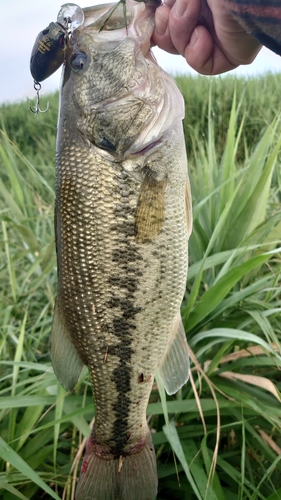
(48, 52)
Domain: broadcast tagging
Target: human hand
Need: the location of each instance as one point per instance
(205, 33)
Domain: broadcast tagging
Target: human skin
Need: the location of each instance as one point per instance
(205, 33)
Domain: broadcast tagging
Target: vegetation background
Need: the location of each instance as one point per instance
(219, 438)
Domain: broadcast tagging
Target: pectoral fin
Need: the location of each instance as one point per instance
(66, 362)
(174, 370)
(150, 212)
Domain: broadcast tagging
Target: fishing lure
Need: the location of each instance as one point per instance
(48, 52)
(49, 49)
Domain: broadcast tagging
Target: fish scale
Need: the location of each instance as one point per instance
(122, 218)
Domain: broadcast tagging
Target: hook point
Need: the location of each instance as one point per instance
(36, 109)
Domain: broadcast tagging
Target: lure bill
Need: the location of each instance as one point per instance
(122, 223)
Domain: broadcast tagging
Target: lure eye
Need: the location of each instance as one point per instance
(80, 62)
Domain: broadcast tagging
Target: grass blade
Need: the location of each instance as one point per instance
(10, 456)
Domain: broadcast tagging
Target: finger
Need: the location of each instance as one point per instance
(170, 3)
(161, 35)
(184, 17)
(204, 55)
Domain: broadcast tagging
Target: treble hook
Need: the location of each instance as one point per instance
(36, 109)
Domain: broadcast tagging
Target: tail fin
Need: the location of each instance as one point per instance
(131, 477)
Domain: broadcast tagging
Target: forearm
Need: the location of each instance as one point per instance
(262, 18)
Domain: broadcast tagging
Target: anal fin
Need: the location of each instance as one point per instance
(174, 368)
(65, 359)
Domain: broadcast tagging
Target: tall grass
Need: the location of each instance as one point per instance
(219, 438)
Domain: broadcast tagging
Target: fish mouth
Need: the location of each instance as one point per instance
(118, 15)
(106, 17)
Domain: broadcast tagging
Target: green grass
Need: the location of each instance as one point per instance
(219, 438)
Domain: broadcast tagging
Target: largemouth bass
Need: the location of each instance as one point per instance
(122, 223)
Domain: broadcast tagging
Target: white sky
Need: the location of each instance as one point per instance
(22, 20)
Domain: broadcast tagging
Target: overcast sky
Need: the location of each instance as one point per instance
(22, 20)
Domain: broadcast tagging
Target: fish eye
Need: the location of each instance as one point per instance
(80, 62)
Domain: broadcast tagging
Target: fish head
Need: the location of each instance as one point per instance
(105, 28)
(113, 91)
(130, 18)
